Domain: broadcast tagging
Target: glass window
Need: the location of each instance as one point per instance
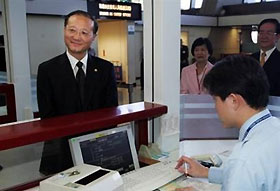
(258, 1)
(252, 1)
(137, 1)
(185, 4)
(197, 4)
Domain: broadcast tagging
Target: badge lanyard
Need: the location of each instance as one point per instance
(255, 123)
(199, 82)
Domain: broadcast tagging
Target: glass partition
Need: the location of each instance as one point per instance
(20, 165)
(274, 106)
(199, 120)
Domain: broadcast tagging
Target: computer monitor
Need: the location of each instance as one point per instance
(112, 149)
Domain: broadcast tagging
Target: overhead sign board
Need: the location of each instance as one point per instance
(114, 10)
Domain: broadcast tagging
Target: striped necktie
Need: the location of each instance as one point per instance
(262, 60)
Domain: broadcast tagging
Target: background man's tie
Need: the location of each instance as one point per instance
(80, 77)
(262, 61)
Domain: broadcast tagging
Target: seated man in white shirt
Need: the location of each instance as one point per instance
(240, 90)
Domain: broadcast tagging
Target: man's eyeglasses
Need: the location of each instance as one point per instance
(74, 31)
(268, 33)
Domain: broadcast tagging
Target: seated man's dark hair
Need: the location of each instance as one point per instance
(241, 75)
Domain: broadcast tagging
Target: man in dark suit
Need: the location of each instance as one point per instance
(72, 82)
(184, 56)
(269, 56)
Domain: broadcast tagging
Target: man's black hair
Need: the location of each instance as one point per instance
(202, 41)
(241, 75)
(272, 21)
(82, 13)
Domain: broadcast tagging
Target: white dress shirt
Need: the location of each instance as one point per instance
(74, 61)
(267, 53)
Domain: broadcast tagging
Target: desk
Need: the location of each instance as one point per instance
(16, 135)
(198, 147)
(197, 183)
(183, 181)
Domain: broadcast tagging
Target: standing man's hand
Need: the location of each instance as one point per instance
(194, 168)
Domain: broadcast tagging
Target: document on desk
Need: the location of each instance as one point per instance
(197, 184)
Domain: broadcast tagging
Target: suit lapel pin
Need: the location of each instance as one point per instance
(95, 70)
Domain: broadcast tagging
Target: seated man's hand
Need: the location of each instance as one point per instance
(195, 169)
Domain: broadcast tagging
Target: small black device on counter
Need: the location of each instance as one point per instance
(206, 164)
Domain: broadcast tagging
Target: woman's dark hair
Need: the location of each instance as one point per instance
(241, 75)
(202, 41)
(82, 13)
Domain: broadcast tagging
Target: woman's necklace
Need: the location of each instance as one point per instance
(199, 82)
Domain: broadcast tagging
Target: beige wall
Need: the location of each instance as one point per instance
(194, 33)
(138, 49)
(185, 38)
(45, 39)
(225, 41)
(112, 43)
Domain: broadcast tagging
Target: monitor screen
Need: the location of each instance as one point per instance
(112, 149)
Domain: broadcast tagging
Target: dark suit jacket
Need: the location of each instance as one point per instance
(184, 56)
(272, 69)
(57, 93)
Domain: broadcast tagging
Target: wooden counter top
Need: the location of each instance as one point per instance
(41, 130)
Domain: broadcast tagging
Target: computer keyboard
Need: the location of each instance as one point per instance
(150, 177)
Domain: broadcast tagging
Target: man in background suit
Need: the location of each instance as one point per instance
(269, 56)
(72, 82)
(184, 56)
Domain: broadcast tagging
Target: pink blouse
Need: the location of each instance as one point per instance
(191, 83)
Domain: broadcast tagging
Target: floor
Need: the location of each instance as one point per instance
(20, 165)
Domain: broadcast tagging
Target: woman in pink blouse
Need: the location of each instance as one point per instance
(192, 76)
